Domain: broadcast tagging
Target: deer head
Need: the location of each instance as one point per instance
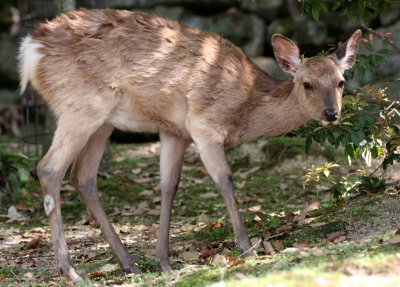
(318, 81)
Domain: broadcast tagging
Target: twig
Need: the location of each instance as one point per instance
(373, 101)
(250, 249)
(381, 36)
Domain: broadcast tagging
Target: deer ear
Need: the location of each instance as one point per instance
(287, 54)
(347, 52)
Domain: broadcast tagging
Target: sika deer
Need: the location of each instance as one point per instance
(105, 69)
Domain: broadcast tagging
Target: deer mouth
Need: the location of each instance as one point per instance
(329, 123)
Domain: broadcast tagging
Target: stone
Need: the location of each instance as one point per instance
(174, 13)
(194, 4)
(244, 30)
(306, 32)
(269, 65)
(268, 10)
(8, 67)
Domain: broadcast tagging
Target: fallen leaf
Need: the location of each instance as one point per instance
(156, 199)
(96, 274)
(245, 175)
(268, 249)
(303, 214)
(341, 201)
(136, 171)
(146, 192)
(190, 255)
(255, 208)
(115, 282)
(23, 253)
(203, 218)
(290, 250)
(29, 276)
(204, 246)
(303, 244)
(278, 245)
(391, 191)
(257, 218)
(397, 232)
(283, 186)
(67, 187)
(207, 253)
(284, 228)
(317, 252)
(14, 215)
(265, 233)
(395, 241)
(154, 212)
(34, 243)
(317, 224)
(217, 224)
(237, 262)
(332, 236)
(219, 260)
(143, 180)
(21, 206)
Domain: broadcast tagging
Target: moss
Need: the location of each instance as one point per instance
(361, 211)
(326, 208)
(313, 234)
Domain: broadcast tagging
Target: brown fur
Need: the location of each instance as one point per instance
(105, 69)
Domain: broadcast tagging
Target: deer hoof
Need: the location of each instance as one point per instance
(132, 269)
(77, 279)
(164, 267)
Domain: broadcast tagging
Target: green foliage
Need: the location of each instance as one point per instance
(369, 127)
(367, 130)
(367, 61)
(353, 9)
(14, 173)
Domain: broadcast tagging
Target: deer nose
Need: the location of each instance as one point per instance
(331, 115)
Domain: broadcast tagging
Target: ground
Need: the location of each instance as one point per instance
(304, 237)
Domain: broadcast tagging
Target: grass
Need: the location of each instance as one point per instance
(279, 196)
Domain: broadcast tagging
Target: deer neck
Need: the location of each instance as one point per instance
(279, 111)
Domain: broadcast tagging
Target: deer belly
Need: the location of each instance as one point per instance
(127, 117)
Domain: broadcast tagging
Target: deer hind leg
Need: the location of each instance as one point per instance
(171, 157)
(83, 177)
(74, 127)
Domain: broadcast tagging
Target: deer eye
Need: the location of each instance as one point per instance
(341, 84)
(307, 86)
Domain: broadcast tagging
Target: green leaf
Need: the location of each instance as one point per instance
(14, 185)
(315, 12)
(349, 149)
(308, 144)
(331, 137)
(23, 174)
(357, 137)
(345, 139)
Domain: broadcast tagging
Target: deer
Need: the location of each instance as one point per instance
(100, 70)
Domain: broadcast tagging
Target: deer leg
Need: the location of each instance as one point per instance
(83, 177)
(68, 140)
(213, 156)
(171, 157)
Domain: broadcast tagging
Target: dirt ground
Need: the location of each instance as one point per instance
(304, 237)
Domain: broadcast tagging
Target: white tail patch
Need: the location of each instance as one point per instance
(28, 58)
